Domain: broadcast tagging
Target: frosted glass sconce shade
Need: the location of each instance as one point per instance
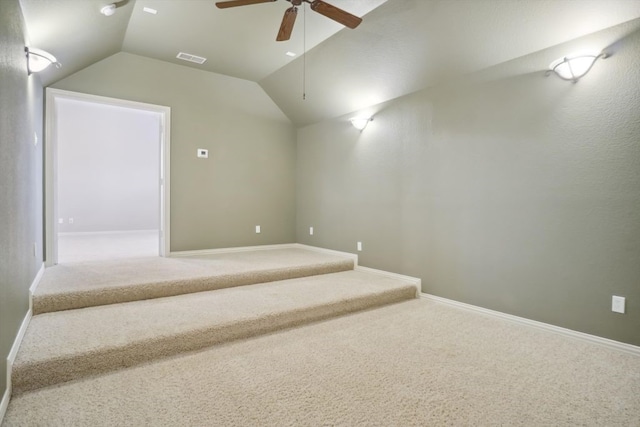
(573, 67)
(361, 122)
(38, 60)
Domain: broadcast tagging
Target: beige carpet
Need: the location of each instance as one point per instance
(82, 247)
(88, 284)
(414, 363)
(71, 344)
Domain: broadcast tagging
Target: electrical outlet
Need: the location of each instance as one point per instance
(617, 304)
(202, 153)
(60, 220)
(35, 249)
(35, 138)
(310, 231)
(258, 230)
(70, 220)
(359, 246)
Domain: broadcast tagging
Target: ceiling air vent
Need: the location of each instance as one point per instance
(191, 58)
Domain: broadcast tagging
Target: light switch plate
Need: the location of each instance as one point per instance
(258, 230)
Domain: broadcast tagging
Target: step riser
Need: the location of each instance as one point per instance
(91, 298)
(32, 376)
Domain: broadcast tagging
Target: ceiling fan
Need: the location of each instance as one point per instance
(323, 8)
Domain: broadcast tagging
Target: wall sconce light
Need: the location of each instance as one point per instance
(38, 60)
(573, 67)
(361, 122)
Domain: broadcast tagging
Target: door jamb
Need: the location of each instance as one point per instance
(51, 172)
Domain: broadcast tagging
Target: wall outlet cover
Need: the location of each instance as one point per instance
(202, 153)
(310, 231)
(258, 229)
(617, 304)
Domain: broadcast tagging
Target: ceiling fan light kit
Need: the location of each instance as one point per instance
(108, 10)
(289, 19)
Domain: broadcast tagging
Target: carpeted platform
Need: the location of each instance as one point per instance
(415, 363)
(312, 353)
(89, 284)
(67, 345)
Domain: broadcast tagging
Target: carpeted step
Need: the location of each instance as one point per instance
(79, 285)
(415, 363)
(67, 345)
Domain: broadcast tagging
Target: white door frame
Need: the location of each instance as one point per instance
(51, 165)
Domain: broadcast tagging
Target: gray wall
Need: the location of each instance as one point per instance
(20, 179)
(108, 167)
(249, 178)
(520, 195)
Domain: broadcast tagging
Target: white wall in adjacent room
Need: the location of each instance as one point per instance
(108, 167)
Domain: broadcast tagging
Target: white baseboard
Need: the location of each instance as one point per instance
(354, 257)
(100, 233)
(13, 353)
(34, 286)
(4, 403)
(615, 345)
(416, 281)
(16, 343)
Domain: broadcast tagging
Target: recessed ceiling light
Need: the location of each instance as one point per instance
(150, 10)
(290, 54)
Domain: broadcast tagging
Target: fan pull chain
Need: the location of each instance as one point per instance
(304, 52)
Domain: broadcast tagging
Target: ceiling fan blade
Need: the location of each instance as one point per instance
(287, 24)
(234, 3)
(338, 15)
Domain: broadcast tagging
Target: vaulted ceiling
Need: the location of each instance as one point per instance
(402, 45)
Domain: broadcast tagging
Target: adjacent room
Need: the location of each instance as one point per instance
(108, 175)
(320, 212)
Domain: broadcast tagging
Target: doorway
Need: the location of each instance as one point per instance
(106, 180)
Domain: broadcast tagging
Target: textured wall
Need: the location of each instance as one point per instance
(108, 167)
(407, 45)
(520, 195)
(249, 177)
(20, 178)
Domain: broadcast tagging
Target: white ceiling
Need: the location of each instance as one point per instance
(74, 31)
(402, 45)
(407, 45)
(238, 42)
